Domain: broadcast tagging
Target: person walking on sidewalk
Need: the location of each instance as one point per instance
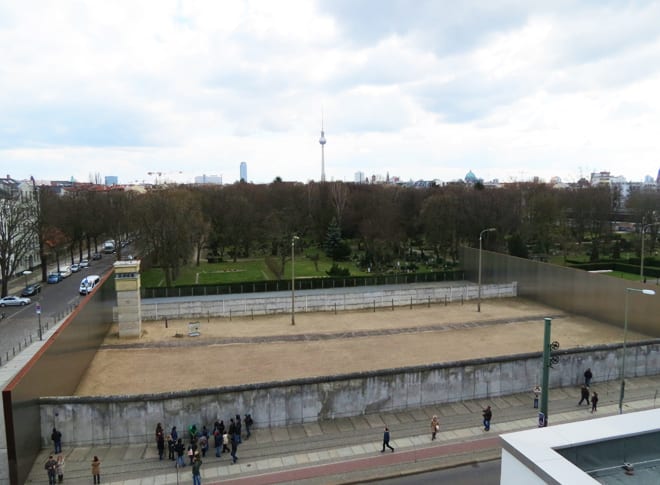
(584, 394)
(51, 469)
(60, 468)
(197, 478)
(56, 436)
(594, 402)
(487, 415)
(96, 469)
(587, 377)
(386, 440)
(435, 427)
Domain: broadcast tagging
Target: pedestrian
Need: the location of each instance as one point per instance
(170, 447)
(594, 402)
(96, 469)
(587, 377)
(248, 423)
(435, 427)
(51, 468)
(159, 430)
(238, 428)
(232, 428)
(197, 478)
(180, 449)
(60, 468)
(175, 434)
(203, 444)
(488, 415)
(192, 430)
(160, 444)
(386, 440)
(584, 395)
(225, 442)
(234, 448)
(217, 442)
(191, 454)
(56, 436)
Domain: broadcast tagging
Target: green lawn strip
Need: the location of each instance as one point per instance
(242, 270)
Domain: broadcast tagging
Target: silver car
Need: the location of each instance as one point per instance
(14, 301)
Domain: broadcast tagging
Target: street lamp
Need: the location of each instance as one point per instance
(625, 335)
(481, 236)
(293, 279)
(641, 265)
(26, 273)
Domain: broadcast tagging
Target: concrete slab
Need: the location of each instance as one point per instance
(312, 429)
(344, 424)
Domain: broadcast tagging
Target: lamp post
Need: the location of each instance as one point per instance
(26, 273)
(293, 280)
(625, 335)
(481, 236)
(641, 265)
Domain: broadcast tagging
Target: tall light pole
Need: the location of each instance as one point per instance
(26, 273)
(293, 279)
(641, 265)
(481, 236)
(625, 335)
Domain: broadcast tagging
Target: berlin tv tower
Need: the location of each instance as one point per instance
(322, 142)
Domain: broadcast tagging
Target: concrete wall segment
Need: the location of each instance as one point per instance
(132, 419)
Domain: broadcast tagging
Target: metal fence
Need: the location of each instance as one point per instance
(302, 284)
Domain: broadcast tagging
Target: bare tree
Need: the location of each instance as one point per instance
(17, 236)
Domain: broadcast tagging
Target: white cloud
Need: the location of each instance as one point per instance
(421, 90)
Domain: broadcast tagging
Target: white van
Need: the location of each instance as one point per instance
(88, 283)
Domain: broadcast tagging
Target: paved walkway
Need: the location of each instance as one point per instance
(347, 450)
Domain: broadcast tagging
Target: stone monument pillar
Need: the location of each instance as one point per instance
(127, 285)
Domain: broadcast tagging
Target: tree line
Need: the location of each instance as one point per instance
(375, 225)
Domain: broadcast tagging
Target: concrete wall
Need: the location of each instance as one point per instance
(116, 420)
(320, 300)
(594, 295)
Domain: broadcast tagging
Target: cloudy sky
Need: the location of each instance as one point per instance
(417, 89)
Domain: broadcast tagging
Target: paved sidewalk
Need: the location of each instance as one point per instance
(347, 450)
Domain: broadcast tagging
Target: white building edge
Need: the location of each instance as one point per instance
(531, 457)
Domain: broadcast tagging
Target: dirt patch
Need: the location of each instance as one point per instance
(245, 350)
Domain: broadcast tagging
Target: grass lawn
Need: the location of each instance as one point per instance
(240, 271)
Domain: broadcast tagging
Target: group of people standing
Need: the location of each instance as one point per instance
(224, 439)
(584, 392)
(55, 464)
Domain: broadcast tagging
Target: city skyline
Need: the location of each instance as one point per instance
(423, 91)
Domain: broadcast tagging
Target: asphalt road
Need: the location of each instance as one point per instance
(20, 325)
(485, 473)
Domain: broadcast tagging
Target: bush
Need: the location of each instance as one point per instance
(336, 270)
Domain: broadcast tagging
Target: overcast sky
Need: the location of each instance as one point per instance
(417, 89)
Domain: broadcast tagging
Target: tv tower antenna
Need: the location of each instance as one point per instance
(322, 142)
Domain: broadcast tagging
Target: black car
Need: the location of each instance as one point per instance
(31, 290)
(96, 256)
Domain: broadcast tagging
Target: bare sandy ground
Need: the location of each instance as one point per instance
(242, 351)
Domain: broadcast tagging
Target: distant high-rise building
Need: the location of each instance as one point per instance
(111, 180)
(657, 179)
(359, 177)
(209, 179)
(244, 172)
(322, 142)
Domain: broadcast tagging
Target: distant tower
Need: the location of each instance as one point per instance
(243, 172)
(322, 142)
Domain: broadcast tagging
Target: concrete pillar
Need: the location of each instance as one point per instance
(127, 285)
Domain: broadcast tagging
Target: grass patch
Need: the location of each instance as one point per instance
(241, 271)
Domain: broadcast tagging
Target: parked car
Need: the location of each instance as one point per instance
(75, 267)
(54, 278)
(31, 290)
(84, 263)
(14, 301)
(65, 271)
(96, 256)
